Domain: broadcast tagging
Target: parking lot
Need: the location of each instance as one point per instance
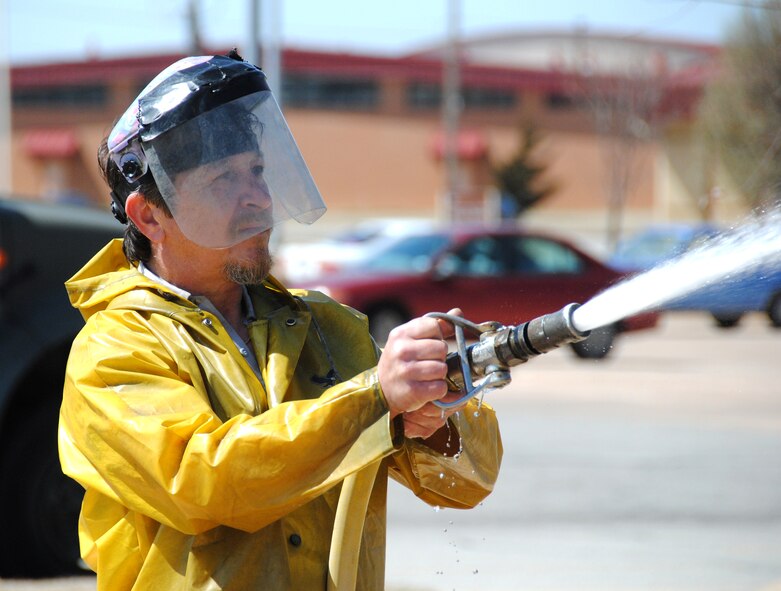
(656, 469)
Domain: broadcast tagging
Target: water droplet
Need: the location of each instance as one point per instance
(441, 475)
(474, 572)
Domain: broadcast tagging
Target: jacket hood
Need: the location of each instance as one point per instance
(107, 275)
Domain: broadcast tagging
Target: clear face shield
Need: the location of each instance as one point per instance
(233, 172)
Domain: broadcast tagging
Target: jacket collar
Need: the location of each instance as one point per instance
(278, 334)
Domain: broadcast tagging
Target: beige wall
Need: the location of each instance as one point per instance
(369, 162)
(386, 164)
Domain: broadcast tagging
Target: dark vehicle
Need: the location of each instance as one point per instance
(506, 275)
(757, 290)
(41, 245)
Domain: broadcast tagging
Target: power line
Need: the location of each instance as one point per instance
(756, 4)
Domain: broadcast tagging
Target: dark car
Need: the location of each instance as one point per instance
(758, 290)
(500, 274)
(41, 245)
(728, 300)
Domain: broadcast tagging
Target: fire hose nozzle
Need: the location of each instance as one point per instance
(502, 347)
(544, 334)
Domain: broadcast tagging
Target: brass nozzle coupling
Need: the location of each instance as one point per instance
(502, 347)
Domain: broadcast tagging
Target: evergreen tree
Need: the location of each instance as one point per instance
(519, 180)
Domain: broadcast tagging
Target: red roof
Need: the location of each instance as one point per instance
(296, 61)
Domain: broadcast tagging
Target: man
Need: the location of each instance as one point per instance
(210, 413)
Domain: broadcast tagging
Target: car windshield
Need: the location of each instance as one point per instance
(412, 254)
(657, 246)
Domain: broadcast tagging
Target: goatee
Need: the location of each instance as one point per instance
(250, 271)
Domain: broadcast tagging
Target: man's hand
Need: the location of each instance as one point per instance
(412, 372)
(429, 418)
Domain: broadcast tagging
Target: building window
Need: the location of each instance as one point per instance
(558, 101)
(93, 95)
(422, 95)
(488, 98)
(323, 92)
(425, 95)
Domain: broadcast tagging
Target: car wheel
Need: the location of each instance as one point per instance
(598, 344)
(41, 505)
(727, 320)
(383, 320)
(774, 310)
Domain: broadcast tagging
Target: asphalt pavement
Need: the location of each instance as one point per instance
(657, 469)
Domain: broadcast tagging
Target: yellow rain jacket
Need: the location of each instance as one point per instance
(200, 476)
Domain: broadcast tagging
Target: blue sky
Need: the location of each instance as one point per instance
(60, 30)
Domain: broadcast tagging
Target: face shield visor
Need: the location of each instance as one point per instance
(233, 172)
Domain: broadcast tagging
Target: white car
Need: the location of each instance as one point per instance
(304, 261)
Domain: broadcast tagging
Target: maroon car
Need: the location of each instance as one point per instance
(502, 274)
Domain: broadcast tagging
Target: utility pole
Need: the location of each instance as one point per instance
(263, 50)
(194, 27)
(451, 108)
(252, 50)
(271, 42)
(264, 47)
(5, 102)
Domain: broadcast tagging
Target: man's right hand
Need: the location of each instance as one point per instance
(412, 371)
(412, 366)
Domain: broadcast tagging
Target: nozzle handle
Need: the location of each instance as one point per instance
(459, 375)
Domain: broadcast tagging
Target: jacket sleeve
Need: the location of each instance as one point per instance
(464, 475)
(134, 428)
(463, 478)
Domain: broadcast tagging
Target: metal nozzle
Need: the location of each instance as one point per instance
(508, 346)
(544, 334)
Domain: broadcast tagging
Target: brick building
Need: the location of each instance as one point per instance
(616, 116)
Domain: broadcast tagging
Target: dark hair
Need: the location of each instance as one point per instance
(135, 245)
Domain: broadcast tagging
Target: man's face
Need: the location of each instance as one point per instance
(223, 202)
